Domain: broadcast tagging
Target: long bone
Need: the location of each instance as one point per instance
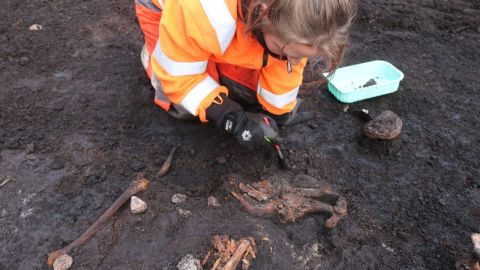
(134, 187)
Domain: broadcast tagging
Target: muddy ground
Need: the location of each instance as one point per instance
(78, 123)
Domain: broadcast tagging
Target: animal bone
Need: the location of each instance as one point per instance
(229, 253)
(134, 187)
(290, 203)
(166, 164)
(237, 255)
(63, 262)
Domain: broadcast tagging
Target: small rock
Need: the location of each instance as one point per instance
(370, 82)
(476, 244)
(57, 163)
(63, 262)
(385, 126)
(18, 23)
(26, 213)
(24, 60)
(35, 27)
(136, 165)
(184, 213)
(442, 202)
(30, 148)
(63, 76)
(31, 157)
(221, 160)
(189, 263)
(212, 201)
(317, 248)
(192, 152)
(345, 108)
(312, 125)
(137, 206)
(179, 198)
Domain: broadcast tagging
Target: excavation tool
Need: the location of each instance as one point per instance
(282, 159)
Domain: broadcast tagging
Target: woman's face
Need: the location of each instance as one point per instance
(291, 51)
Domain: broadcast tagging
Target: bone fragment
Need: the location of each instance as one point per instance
(266, 209)
(254, 193)
(216, 264)
(179, 198)
(213, 202)
(207, 257)
(63, 262)
(166, 164)
(238, 255)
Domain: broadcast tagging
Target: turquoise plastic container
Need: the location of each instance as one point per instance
(364, 81)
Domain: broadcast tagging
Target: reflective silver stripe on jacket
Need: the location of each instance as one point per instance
(176, 68)
(145, 57)
(195, 97)
(278, 101)
(221, 20)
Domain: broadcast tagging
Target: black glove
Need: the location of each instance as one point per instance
(220, 108)
(294, 117)
(251, 129)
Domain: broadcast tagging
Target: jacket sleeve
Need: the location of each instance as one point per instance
(187, 39)
(278, 89)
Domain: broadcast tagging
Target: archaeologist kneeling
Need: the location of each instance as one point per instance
(239, 63)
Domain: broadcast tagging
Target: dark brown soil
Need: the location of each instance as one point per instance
(77, 124)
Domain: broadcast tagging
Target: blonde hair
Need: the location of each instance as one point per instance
(324, 24)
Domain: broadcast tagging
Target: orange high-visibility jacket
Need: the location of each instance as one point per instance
(194, 33)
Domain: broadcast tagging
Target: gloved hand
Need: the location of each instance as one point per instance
(251, 129)
(294, 117)
(248, 128)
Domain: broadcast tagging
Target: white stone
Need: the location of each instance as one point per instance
(26, 213)
(137, 206)
(212, 201)
(35, 27)
(63, 262)
(189, 263)
(476, 243)
(185, 213)
(179, 198)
